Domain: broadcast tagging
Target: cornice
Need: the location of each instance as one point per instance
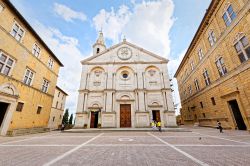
(205, 21)
(221, 38)
(163, 60)
(116, 63)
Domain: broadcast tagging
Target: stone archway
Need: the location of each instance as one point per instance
(10, 89)
(8, 102)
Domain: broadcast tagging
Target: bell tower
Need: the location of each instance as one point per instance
(99, 45)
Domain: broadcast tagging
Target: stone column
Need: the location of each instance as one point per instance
(104, 101)
(109, 101)
(170, 101)
(85, 103)
(87, 81)
(83, 77)
(146, 101)
(164, 100)
(80, 102)
(136, 101)
(162, 82)
(141, 100)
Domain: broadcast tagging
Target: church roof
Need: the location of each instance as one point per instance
(130, 44)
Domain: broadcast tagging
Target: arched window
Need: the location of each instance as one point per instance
(97, 50)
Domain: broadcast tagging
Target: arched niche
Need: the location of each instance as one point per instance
(152, 74)
(97, 76)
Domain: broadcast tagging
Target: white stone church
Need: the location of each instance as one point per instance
(124, 86)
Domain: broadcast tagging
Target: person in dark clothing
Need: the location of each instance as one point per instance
(63, 127)
(219, 126)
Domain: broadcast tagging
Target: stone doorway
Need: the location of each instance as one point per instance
(237, 115)
(156, 115)
(3, 110)
(94, 120)
(125, 115)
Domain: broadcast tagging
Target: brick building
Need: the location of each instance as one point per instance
(57, 108)
(28, 74)
(214, 75)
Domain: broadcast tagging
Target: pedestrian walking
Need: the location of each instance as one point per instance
(159, 125)
(219, 126)
(153, 125)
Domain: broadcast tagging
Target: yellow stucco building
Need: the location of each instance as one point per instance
(214, 75)
(28, 74)
(57, 109)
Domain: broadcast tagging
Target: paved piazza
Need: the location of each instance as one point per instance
(202, 146)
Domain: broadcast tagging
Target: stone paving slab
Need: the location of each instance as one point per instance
(125, 134)
(126, 140)
(96, 130)
(117, 148)
(240, 138)
(177, 134)
(77, 134)
(221, 156)
(29, 156)
(51, 141)
(126, 156)
(199, 141)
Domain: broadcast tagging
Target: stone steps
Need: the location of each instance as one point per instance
(96, 130)
(26, 131)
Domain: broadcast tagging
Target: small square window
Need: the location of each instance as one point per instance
(201, 104)
(45, 86)
(17, 32)
(19, 107)
(6, 64)
(39, 109)
(213, 101)
(36, 50)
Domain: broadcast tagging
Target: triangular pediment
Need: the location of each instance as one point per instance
(124, 52)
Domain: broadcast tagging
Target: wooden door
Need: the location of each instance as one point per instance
(125, 115)
(94, 120)
(156, 115)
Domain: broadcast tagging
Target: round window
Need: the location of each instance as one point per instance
(125, 75)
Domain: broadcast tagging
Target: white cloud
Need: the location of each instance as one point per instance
(67, 13)
(66, 49)
(146, 24)
(172, 67)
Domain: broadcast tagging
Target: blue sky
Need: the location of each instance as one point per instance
(69, 27)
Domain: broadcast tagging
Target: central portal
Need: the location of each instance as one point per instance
(94, 120)
(125, 115)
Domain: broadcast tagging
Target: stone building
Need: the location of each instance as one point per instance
(57, 108)
(214, 75)
(124, 86)
(28, 74)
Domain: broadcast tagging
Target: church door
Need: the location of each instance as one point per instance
(94, 120)
(125, 115)
(156, 115)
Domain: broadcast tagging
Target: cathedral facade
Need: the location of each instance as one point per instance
(124, 86)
